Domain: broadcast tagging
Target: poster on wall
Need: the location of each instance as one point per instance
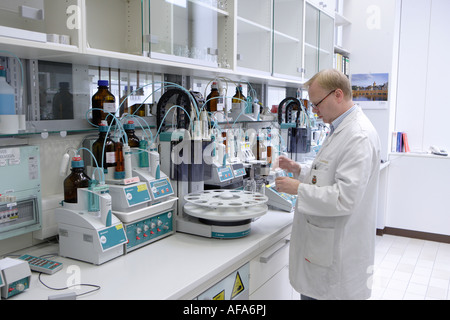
(370, 91)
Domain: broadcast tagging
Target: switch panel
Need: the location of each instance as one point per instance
(148, 230)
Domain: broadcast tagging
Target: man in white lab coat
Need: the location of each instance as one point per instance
(333, 233)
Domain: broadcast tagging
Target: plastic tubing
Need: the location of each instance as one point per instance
(119, 125)
(305, 113)
(174, 106)
(164, 85)
(132, 116)
(240, 114)
(102, 174)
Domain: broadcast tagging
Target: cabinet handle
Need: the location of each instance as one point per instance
(212, 51)
(270, 253)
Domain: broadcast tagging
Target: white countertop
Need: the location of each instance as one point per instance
(180, 266)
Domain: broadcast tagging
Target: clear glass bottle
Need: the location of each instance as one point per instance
(261, 147)
(104, 100)
(77, 179)
(108, 157)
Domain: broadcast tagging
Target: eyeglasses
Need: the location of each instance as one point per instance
(316, 105)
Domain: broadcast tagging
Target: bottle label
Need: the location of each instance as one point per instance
(236, 106)
(7, 104)
(110, 157)
(109, 107)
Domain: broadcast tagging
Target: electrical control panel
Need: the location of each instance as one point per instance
(20, 191)
(160, 188)
(148, 230)
(225, 173)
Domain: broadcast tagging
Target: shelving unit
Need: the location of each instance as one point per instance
(161, 36)
(341, 46)
(283, 43)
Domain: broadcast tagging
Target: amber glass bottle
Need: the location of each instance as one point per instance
(108, 157)
(212, 99)
(133, 140)
(239, 96)
(77, 179)
(104, 100)
(120, 167)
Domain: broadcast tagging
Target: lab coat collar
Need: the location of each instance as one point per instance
(348, 119)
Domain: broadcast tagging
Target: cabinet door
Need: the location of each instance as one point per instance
(326, 41)
(328, 6)
(269, 273)
(311, 41)
(277, 288)
(288, 38)
(114, 25)
(185, 31)
(44, 21)
(319, 41)
(254, 35)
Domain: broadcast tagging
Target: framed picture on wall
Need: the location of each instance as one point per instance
(371, 91)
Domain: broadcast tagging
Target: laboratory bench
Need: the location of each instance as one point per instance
(179, 267)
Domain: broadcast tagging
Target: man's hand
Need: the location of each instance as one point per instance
(289, 165)
(287, 185)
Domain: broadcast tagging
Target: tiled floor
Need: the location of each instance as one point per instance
(411, 269)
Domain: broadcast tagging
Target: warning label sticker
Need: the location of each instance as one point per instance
(220, 296)
(238, 286)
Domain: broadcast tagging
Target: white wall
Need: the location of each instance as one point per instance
(372, 41)
(418, 184)
(423, 93)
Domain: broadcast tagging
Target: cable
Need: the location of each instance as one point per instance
(97, 287)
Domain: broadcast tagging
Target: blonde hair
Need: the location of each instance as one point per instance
(332, 79)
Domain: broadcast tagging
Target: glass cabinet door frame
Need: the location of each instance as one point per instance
(288, 39)
(190, 48)
(316, 56)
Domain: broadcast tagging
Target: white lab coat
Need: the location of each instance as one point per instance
(334, 228)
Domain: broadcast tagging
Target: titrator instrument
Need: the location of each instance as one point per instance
(197, 160)
(131, 212)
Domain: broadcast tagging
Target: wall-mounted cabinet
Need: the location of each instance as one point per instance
(114, 25)
(319, 40)
(328, 6)
(254, 36)
(37, 23)
(188, 32)
(288, 38)
(277, 41)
